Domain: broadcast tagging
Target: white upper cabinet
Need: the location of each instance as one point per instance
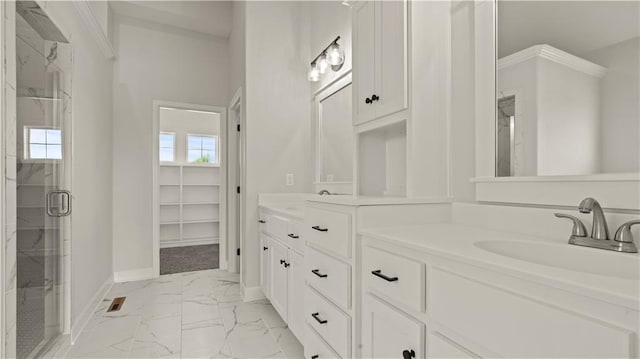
(380, 33)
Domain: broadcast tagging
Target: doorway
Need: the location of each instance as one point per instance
(189, 197)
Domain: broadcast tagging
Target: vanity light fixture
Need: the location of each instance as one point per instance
(332, 56)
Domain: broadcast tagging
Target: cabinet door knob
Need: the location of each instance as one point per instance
(375, 97)
(408, 354)
(286, 264)
(317, 228)
(282, 261)
(265, 248)
(316, 316)
(367, 100)
(378, 273)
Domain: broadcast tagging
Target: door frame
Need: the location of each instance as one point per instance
(155, 210)
(235, 237)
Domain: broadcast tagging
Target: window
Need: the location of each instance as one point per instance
(167, 146)
(202, 149)
(43, 143)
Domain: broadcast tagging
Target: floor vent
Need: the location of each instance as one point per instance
(116, 304)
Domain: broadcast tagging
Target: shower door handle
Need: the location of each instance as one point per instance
(65, 203)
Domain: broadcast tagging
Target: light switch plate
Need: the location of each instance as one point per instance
(289, 179)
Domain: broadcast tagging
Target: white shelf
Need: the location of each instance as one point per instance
(189, 204)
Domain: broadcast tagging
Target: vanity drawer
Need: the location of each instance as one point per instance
(329, 230)
(278, 228)
(294, 236)
(329, 276)
(514, 326)
(331, 323)
(315, 347)
(443, 347)
(398, 278)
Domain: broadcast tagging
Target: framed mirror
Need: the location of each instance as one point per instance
(334, 133)
(567, 88)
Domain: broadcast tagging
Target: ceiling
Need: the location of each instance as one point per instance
(576, 27)
(208, 17)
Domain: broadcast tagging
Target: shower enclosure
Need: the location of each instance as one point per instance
(43, 143)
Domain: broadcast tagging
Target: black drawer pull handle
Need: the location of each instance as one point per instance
(408, 354)
(282, 261)
(317, 272)
(317, 228)
(262, 221)
(291, 235)
(315, 356)
(321, 321)
(265, 248)
(378, 273)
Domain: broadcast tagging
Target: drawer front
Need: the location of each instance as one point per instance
(329, 276)
(398, 278)
(331, 323)
(389, 333)
(329, 230)
(278, 228)
(511, 325)
(315, 347)
(295, 237)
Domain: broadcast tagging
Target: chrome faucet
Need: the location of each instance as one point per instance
(599, 229)
(599, 238)
(324, 191)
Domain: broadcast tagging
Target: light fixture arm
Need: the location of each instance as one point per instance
(324, 52)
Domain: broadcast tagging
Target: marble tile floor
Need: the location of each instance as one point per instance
(186, 315)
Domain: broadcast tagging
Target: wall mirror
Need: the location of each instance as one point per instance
(567, 88)
(334, 133)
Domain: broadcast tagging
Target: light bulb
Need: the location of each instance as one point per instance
(335, 55)
(323, 64)
(314, 74)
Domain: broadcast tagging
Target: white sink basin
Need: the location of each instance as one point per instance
(588, 260)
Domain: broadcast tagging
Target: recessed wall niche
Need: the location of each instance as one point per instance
(382, 161)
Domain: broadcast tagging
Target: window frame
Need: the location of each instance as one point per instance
(26, 155)
(216, 162)
(173, 134)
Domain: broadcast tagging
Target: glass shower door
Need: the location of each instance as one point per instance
(43, 201)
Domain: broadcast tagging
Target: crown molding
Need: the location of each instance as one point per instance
(553, 54)
(89, 20)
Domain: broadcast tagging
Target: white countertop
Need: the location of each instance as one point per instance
(292, 210)
(350, 200)
(457, 242)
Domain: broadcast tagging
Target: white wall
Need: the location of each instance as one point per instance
(183, 123)
(91, 247)
(154, 62)
(619, 112)
(277, 112)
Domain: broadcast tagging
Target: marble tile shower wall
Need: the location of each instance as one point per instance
(10, 151)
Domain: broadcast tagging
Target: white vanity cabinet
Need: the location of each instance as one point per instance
(282, 267)
(472, 310)
(380, 40)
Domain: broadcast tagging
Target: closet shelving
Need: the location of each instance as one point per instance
(189, 197)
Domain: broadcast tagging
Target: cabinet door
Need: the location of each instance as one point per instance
(295, 300)
(279, 278)
(265, 265)
(363, 61)
(391, 57)
(388, 333)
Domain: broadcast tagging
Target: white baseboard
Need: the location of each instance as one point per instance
(133, 275)
(89, 309)
(252, 293)
(189, 242)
